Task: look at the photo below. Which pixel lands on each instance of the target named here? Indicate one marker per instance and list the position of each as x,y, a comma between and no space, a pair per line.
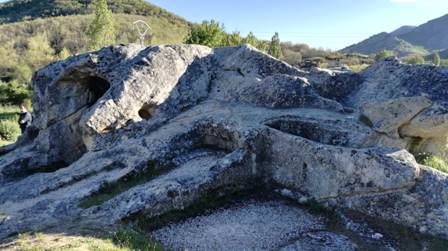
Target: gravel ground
249,226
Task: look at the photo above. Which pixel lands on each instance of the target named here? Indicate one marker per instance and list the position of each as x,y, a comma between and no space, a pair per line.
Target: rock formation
177,123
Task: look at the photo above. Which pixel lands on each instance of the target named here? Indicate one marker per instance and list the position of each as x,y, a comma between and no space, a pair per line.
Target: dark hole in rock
147,111
312,130
97,88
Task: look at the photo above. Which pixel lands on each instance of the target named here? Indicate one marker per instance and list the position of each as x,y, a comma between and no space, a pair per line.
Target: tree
383,54
416,60
39,52
263,45
275,49
208,33
101,31
251,39
233,39
436,59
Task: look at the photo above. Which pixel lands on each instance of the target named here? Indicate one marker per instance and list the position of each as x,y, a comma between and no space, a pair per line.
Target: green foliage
263,45
383,54
9,128
39,51
358,68
135,240
59,37
433,161
233,39
13,93
101,31
275,49
64,54
415,60
9,131
21,10
251,39
436,59
208,33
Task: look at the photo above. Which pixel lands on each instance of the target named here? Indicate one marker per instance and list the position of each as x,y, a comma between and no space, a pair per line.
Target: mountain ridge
407,40
23,10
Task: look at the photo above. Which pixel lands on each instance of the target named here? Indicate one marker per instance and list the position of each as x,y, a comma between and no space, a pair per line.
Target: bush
9,130
358,68
383,54
415,60
13,93
208,33
433,161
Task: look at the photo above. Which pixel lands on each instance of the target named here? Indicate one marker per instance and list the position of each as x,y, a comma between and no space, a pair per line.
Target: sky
330,24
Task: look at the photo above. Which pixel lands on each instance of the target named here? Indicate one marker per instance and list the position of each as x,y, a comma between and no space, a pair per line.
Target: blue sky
330,24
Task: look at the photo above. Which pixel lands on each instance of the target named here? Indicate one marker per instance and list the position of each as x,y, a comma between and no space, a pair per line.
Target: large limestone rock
130,132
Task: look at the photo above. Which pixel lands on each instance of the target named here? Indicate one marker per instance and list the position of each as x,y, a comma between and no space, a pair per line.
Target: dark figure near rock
25,117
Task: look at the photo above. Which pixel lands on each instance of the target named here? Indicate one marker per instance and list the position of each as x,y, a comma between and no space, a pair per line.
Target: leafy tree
436,59
263,45
22,74
275,49
416,60
209,33
39,52
383,54
101,31
251,39
233,39
13,93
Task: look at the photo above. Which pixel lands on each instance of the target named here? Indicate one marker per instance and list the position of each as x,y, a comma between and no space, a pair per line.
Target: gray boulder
128,132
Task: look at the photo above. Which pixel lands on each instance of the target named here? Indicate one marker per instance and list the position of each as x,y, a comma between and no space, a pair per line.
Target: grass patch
111,190
433,161
124,239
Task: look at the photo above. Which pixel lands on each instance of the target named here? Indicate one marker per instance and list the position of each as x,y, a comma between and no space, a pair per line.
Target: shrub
9,130
208,33
433,161
415,60
358,68
383,54
13,93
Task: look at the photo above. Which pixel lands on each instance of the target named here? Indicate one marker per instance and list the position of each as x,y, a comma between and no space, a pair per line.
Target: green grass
433,161
9,128
124,239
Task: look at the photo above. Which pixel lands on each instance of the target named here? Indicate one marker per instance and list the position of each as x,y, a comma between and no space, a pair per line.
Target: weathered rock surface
131,131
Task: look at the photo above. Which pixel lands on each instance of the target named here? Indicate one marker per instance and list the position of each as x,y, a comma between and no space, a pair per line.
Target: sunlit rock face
170,125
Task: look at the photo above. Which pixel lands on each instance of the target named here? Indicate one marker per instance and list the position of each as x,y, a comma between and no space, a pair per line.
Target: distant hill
34,33
432,35
21,10
385,41
407,40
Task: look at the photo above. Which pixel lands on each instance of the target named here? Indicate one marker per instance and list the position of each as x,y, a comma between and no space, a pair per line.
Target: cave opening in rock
97,87
147,111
